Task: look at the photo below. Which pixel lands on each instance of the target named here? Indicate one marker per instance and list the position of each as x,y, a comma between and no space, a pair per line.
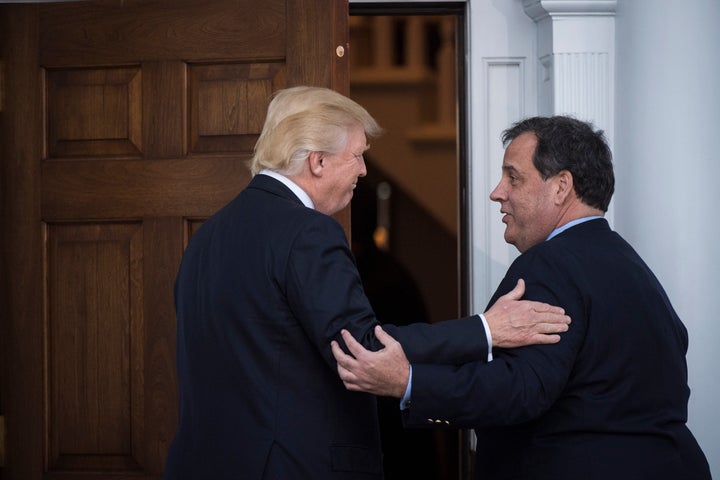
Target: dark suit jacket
607,402
264,286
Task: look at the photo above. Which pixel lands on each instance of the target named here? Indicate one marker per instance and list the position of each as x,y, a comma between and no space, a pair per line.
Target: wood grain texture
127,124
133,189
94,112
21,328
94,344
228,102
173,29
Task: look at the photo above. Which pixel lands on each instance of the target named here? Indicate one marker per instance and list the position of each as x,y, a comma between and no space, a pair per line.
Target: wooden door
124,124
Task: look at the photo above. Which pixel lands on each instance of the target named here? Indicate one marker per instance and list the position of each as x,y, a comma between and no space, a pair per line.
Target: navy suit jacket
607,402
263,287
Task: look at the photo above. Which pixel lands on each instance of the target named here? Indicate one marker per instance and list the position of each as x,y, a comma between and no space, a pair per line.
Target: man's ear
315,160
564,184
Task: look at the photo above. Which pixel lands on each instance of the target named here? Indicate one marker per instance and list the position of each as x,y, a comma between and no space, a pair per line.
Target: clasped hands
513,323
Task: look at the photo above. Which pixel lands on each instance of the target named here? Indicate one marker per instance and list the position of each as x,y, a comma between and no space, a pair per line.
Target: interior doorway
406,68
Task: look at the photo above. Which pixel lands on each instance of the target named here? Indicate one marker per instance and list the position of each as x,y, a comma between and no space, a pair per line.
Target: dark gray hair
565,143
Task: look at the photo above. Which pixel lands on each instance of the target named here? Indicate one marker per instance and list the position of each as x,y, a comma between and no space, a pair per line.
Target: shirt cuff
405,401
488,335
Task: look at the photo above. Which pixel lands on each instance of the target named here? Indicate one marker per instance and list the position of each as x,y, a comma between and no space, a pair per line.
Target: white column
576,60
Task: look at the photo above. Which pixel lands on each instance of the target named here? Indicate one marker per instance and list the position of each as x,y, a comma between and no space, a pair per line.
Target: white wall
667,158
502,88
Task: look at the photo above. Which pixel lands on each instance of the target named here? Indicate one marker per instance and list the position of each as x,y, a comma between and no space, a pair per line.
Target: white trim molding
502,89
539,9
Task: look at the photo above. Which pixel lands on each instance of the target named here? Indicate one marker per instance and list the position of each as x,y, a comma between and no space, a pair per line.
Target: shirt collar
571,223
304,197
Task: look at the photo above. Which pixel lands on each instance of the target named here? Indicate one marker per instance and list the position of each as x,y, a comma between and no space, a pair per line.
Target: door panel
125,124
94,336
120,32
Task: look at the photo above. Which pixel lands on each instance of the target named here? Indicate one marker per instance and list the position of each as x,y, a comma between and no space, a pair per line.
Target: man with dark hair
607,402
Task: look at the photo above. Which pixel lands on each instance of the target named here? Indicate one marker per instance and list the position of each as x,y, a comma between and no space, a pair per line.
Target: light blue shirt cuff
405,401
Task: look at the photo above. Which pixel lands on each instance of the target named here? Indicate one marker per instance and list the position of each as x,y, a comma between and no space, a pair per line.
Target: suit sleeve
520,384
326,295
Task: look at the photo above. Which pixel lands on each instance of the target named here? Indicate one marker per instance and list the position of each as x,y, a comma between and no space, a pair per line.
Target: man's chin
510,240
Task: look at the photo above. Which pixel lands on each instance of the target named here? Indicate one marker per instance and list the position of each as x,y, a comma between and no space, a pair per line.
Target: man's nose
497,195
363,168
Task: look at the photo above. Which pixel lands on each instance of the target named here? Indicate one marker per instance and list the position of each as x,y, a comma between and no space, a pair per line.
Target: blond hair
303,119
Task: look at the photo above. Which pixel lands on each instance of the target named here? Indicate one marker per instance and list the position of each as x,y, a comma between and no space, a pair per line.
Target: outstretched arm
515,323
511,322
